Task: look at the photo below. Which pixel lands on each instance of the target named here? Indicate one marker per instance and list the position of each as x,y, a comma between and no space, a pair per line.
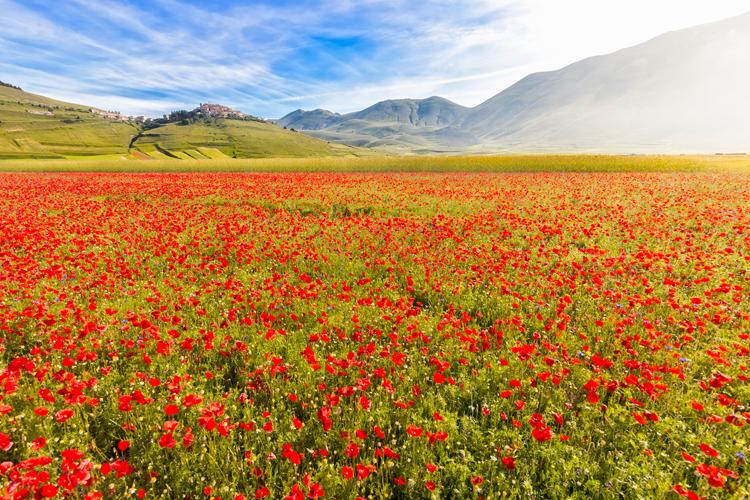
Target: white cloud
472,64
465,50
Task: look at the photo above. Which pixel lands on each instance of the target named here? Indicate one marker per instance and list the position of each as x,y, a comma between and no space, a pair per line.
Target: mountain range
682,92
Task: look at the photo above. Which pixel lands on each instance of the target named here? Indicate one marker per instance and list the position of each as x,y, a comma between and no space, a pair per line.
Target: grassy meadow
377,163
387,335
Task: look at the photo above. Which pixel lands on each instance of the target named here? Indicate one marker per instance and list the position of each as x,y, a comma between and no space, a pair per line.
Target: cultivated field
232,138
373,162
33,126
578,330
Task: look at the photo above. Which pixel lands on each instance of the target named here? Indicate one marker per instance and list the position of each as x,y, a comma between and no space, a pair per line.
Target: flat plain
527,326
374,162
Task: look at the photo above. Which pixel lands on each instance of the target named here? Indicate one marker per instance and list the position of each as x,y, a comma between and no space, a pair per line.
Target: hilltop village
203,111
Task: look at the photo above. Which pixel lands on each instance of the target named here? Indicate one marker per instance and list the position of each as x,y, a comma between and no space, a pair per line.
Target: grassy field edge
521,163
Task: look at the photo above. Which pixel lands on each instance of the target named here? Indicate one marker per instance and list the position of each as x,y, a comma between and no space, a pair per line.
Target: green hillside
33,126
232,138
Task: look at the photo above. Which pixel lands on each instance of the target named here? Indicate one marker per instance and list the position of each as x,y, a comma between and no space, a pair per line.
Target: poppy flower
352,450
347,472
708,450
38,443
167,441
542,434
171,410
48,491
316,491
63,415
5,442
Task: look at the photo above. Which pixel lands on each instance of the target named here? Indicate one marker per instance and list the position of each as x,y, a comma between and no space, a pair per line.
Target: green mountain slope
232,138
33,126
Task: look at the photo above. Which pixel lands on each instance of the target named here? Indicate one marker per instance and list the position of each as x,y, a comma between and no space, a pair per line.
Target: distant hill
411,124
309,120
685,91
33,126
682,92
430,112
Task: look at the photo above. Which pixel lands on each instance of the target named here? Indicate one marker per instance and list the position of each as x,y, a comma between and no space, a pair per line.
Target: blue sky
271,57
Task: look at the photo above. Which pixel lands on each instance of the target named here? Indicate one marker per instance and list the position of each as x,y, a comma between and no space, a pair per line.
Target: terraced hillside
33,126
231,138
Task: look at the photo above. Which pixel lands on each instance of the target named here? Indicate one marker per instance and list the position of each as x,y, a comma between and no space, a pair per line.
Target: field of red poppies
433,335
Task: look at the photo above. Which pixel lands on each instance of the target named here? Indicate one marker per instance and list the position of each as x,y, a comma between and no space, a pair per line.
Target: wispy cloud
270,56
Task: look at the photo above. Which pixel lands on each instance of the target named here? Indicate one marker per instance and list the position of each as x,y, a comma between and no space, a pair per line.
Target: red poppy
347,472
49,491
167,441
708,450
64,415
352,450
316,491
5,442
542,434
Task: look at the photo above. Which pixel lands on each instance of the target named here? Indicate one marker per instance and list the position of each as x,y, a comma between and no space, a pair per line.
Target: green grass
234,138
35,127
536,163
16,95
212,153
